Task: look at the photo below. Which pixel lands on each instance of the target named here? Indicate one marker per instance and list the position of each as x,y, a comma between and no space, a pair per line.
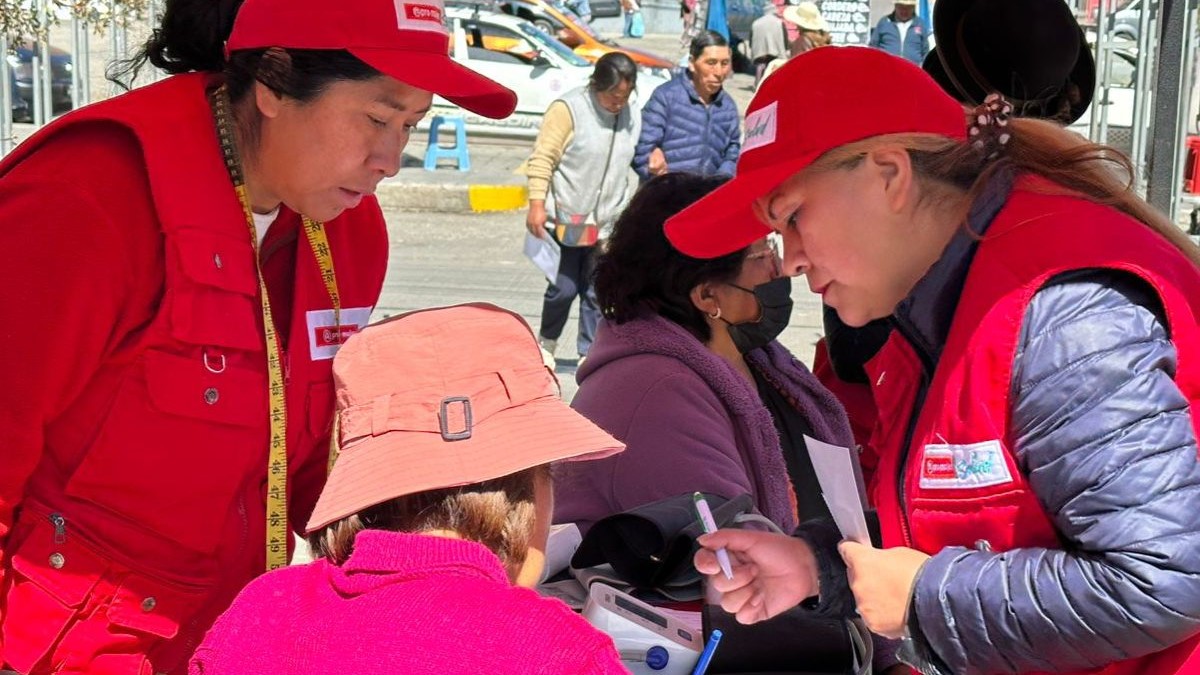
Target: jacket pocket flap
66,570
997,522
184,386
218,260
153,607
219,318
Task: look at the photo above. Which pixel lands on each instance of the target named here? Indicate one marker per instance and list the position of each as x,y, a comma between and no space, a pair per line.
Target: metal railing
91,49
6,103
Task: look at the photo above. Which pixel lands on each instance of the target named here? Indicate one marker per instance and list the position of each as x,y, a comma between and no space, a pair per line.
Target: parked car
1124,16
740,14
20,64
1119,102
575,33
605,9
522,57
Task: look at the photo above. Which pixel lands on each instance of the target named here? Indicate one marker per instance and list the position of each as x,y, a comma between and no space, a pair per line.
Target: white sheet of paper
544,253
560,546
841,486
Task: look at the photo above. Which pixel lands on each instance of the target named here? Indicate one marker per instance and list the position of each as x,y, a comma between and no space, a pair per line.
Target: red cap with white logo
403,39
818,101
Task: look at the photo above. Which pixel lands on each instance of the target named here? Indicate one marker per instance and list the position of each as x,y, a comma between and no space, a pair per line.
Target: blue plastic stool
457,152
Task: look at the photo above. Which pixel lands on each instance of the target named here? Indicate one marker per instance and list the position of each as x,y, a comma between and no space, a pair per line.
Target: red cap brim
724,220
443,76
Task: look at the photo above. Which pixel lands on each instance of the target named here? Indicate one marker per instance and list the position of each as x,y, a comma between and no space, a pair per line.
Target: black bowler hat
937,70
1032,52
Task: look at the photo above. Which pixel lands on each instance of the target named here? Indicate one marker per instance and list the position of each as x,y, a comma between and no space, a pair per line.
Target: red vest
163,509
1034,238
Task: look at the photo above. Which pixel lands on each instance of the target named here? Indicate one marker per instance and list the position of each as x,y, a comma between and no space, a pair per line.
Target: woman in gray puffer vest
578,184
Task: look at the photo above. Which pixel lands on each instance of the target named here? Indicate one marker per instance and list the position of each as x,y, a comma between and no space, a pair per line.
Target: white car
522,57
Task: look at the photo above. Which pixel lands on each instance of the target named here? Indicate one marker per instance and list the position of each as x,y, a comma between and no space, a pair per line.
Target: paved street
444,259
439,259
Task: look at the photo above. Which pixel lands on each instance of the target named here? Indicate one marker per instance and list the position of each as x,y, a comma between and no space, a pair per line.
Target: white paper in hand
544,253
841,486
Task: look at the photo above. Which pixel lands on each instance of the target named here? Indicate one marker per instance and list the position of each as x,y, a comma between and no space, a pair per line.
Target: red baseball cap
817,101
445,397
403,39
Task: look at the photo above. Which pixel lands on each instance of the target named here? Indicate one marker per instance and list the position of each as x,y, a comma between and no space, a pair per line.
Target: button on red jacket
132,493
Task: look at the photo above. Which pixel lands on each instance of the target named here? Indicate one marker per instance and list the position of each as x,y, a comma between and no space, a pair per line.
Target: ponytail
1097,172
191,38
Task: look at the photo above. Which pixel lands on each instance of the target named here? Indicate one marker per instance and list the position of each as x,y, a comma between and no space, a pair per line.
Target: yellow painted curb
497,197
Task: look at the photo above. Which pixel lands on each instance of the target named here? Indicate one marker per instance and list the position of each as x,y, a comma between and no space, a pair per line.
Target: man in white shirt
902,32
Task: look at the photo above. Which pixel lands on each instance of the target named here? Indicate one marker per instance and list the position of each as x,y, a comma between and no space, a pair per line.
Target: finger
743,575
736,541
735,601
851,551
753,611
706,562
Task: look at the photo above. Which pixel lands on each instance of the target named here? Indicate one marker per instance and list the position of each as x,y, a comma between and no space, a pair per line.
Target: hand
882,581
535,220
657,164
771,572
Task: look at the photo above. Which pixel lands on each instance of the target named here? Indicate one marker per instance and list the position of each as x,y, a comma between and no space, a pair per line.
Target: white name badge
957,467
323,336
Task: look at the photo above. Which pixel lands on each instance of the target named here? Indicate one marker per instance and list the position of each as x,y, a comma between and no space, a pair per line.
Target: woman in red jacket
184,262
1037,401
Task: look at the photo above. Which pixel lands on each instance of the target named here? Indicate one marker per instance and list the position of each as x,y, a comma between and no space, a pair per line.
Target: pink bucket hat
445,397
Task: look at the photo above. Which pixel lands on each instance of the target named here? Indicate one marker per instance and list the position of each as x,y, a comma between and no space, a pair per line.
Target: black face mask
775,311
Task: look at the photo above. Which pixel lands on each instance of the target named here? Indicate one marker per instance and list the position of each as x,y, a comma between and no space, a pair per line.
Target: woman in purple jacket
686,372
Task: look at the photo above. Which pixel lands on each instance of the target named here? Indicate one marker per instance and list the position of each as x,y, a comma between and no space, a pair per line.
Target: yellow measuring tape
277,520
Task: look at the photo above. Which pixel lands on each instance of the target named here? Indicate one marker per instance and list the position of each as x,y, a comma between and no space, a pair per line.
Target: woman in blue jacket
691,123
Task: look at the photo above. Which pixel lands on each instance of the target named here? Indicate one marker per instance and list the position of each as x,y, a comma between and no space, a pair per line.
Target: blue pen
707,654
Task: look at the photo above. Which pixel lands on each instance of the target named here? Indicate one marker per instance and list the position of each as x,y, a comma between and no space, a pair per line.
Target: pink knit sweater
402,603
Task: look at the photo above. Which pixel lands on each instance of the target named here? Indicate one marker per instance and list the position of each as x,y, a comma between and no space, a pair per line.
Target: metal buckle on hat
443,416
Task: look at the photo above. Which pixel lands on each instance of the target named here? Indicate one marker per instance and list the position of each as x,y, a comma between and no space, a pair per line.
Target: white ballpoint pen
710,526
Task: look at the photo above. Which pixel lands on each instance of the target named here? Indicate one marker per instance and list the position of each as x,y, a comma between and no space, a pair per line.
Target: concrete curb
450,197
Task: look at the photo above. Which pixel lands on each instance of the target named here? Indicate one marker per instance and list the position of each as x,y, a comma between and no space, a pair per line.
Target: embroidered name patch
423,15
323,338
955,467
760,127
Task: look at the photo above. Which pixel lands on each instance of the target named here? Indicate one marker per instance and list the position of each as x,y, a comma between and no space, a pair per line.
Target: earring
716,314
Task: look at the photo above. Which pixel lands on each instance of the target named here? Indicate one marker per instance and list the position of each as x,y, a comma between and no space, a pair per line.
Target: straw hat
806,15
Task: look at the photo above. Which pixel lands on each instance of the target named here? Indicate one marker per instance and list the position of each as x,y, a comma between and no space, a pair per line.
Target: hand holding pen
710,526
771,573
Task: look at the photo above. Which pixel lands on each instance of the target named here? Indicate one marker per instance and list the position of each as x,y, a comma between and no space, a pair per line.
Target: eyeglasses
769,253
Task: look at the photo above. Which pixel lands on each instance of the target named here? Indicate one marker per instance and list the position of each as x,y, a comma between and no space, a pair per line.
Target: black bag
795,642
650,547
